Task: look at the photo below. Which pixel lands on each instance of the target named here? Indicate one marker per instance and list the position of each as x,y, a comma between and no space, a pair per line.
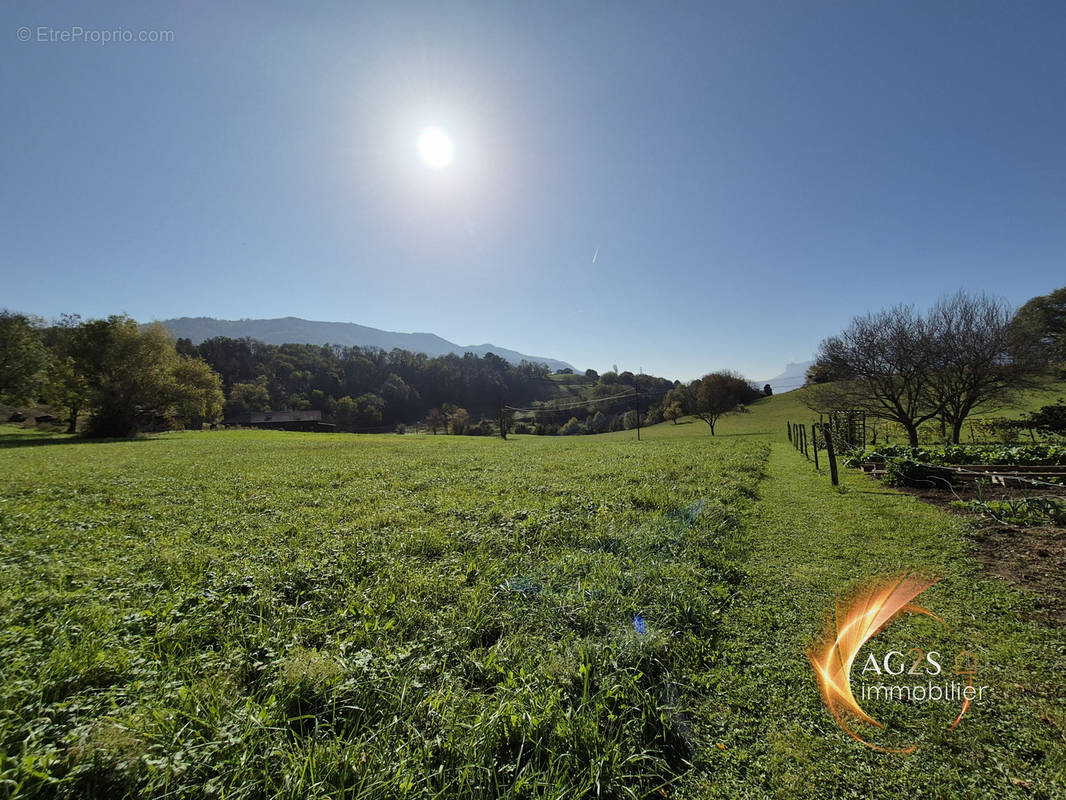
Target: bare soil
1033,558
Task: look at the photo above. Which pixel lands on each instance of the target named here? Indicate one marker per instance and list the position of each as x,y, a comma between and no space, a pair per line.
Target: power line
572,404
579,403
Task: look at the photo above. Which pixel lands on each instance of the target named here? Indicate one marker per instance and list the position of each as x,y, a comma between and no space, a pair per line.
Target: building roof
260,417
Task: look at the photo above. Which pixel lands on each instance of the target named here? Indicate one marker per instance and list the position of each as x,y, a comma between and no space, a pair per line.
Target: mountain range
293,330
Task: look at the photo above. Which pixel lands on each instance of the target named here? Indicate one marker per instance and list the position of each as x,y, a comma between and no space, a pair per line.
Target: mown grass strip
805,543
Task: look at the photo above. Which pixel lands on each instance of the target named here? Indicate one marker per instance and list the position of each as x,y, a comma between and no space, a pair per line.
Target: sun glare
435,147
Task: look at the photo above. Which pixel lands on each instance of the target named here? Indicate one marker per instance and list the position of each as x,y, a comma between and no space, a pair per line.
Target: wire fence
809,439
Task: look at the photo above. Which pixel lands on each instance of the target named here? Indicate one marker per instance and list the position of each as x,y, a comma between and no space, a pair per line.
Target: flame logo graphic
858,619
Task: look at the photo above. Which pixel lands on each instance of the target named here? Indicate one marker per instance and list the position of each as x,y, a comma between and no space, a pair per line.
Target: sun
436,148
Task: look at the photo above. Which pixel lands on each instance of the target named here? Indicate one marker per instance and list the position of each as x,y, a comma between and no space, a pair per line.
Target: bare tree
890,357
908,368
974,368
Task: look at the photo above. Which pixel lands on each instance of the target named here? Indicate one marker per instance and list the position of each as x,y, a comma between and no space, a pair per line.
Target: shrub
598,423
572,427
902,472
482,428
1050,420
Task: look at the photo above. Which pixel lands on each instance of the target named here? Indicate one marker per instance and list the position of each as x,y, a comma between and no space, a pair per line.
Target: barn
282,421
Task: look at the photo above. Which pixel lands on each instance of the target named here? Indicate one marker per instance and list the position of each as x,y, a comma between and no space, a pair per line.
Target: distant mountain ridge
293,330
792,378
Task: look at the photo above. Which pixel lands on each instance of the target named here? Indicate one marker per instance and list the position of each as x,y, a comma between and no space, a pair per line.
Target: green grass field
271,614
255,614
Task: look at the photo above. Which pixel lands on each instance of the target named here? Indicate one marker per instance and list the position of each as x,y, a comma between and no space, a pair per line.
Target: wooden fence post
788,430
814,437
834,478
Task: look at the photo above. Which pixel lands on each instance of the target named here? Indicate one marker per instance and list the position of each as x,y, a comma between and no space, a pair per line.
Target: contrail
595,254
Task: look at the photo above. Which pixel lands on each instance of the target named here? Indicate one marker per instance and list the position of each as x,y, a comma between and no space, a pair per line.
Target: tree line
120,377
364,388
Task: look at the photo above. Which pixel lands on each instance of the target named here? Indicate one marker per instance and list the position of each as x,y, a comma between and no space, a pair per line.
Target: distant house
282,421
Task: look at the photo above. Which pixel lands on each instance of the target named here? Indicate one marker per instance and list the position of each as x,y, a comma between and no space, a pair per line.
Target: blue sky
747,175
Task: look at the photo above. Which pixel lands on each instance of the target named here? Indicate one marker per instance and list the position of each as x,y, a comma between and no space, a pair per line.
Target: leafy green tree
198,394
67,388
247,397
573,427
23,359
360,413
129,371
682,396
1038,330
369,410
673,412
399,397
721,393
599,423
346,414
297,401
67,385
460,421
134,373
1050,420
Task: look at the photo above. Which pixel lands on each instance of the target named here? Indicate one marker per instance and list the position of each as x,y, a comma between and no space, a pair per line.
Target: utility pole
636,397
